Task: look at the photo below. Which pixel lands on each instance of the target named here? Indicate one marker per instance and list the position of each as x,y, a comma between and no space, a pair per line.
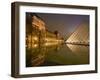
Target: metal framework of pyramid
80,35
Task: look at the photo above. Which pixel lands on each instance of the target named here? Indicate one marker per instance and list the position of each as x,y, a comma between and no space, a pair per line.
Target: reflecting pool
56,54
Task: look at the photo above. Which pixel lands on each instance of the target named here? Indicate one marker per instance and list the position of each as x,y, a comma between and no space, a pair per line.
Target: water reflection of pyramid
81,35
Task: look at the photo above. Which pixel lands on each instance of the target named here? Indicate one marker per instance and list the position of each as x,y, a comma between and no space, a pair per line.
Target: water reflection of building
78,48
38,55
81,52
35,57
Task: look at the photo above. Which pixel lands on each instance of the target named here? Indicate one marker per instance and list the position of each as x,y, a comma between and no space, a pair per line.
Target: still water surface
52,55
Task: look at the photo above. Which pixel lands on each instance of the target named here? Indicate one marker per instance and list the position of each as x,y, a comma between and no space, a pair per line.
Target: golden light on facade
35,38
53,40
50,44
38,23
34,45
50,39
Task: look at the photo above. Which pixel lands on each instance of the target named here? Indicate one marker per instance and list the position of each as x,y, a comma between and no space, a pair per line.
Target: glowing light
49,44
35,38
34,45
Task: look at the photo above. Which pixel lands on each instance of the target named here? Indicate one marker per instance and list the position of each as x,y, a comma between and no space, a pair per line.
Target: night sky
65,24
